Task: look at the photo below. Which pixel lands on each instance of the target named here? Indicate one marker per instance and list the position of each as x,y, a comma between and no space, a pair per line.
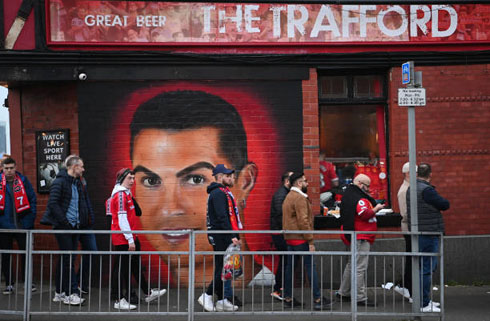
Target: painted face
173,170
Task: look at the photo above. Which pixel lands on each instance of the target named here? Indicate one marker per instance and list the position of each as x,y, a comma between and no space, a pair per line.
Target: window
352,127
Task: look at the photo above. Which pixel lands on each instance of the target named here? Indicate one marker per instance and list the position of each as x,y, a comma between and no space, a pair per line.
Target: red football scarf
232,210
20,196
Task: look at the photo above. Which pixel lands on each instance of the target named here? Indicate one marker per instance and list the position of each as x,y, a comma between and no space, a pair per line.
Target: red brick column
311,138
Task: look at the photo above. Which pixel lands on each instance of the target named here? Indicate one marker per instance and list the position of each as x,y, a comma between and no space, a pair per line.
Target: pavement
461,303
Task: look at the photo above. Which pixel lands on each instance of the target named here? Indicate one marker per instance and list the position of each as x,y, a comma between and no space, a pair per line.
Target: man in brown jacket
297,215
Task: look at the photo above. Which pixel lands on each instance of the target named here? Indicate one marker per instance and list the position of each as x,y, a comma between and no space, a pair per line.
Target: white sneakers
225,306
124,305
73,299
404,292
431,307
154,294
206,301
59,297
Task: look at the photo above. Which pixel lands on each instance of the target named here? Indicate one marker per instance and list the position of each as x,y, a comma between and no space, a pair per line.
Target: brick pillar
311,138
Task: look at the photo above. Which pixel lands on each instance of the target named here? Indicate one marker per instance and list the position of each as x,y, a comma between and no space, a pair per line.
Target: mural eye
195,179
151,181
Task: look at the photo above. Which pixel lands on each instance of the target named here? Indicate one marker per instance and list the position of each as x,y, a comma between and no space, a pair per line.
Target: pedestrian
429,207
298,215
277,238
69,209
358,213
222,215
124,211
17,211
406,288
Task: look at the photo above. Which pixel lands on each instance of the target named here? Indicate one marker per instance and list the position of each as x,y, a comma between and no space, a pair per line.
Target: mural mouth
176,237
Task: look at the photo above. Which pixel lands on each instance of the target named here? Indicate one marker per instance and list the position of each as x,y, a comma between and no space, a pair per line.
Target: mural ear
247,179
246,182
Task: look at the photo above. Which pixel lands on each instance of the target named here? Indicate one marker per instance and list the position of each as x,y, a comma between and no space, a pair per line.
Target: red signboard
77,22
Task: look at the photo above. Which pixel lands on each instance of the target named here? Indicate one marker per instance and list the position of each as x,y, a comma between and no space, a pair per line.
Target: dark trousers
7,243
121,274
66,279
407,277
280,245
216,286
88,262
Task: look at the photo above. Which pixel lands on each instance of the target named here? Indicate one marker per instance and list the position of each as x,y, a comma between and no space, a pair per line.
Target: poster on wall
52,146
172,133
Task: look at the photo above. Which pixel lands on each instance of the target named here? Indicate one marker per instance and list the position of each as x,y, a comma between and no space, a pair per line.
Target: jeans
217,286
362,262
88,260
280,245
309,265
7,242
66,279
430,244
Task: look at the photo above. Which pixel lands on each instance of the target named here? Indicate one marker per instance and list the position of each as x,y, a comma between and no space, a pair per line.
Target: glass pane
368,86
349,131
333,87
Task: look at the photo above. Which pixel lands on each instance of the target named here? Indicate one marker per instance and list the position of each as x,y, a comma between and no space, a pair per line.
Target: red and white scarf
236,224
20,197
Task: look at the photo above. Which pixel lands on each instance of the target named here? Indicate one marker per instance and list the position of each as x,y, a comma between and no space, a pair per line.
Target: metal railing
186,269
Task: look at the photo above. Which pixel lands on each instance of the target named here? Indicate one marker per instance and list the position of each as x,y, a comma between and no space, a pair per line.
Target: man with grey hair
68,208
358,213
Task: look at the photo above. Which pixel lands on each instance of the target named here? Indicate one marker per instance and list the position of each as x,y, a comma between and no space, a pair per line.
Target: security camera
82,76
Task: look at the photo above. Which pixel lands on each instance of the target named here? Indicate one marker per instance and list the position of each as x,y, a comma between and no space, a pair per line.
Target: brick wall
41,107
452,134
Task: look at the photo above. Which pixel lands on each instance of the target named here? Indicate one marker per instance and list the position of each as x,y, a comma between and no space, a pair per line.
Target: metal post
412,158
353,275
190,309
28,276
441,266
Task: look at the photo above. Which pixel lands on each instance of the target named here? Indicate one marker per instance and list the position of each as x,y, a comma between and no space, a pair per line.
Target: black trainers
322,304
8,290
342,297
292,303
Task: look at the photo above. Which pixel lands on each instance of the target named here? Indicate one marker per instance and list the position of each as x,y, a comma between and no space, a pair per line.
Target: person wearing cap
221,215
406,288
124,211
69,208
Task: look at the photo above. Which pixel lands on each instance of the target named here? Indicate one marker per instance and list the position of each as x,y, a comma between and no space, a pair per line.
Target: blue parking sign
406,73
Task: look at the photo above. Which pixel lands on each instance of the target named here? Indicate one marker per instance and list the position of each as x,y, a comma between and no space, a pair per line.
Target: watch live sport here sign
411,97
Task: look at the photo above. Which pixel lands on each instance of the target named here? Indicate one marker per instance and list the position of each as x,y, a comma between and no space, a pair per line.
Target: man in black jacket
276,224
221,215
429,207
68,208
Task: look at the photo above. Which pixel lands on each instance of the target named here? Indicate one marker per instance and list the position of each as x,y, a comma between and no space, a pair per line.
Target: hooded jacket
25,220
59,201
218,213
123,209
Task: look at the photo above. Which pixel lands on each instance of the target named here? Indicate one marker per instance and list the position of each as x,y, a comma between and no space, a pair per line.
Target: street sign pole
413,96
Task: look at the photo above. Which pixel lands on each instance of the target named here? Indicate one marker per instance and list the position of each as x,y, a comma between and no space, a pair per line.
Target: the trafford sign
144,22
